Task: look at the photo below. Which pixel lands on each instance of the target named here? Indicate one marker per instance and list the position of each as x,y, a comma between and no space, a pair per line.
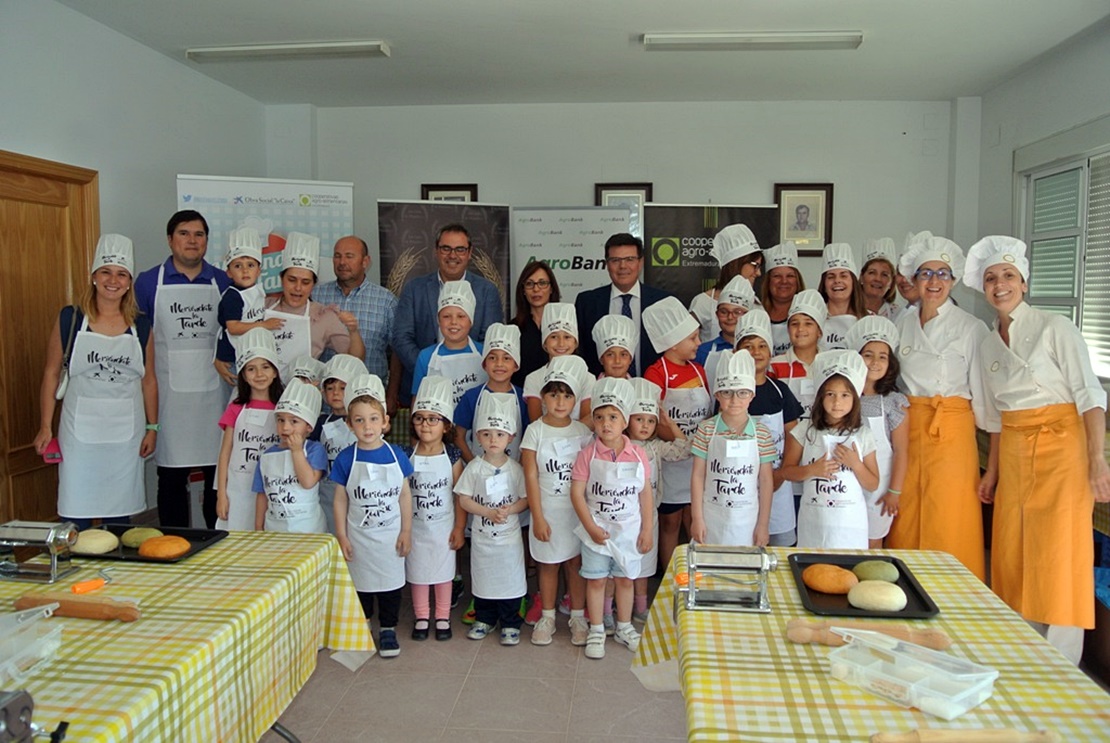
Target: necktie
626,310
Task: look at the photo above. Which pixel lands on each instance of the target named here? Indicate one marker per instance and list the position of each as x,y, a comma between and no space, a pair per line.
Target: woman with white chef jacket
940,344
840,289
1048,425
109,419
308,327
738,254
781,283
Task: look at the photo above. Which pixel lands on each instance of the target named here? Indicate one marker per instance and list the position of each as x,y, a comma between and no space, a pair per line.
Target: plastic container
27,643
910,675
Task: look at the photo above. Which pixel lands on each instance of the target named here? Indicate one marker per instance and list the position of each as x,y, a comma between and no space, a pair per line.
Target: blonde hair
127,306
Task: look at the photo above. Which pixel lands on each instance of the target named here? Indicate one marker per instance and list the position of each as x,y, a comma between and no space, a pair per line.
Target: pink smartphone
53,453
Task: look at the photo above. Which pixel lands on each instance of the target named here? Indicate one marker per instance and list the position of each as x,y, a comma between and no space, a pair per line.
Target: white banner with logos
275,207
571,240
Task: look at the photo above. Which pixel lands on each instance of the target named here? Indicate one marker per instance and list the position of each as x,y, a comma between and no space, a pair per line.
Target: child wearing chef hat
457,357
735,300
738,255
559,327
833,455
331,428
287,480
615,338
242,304
500,360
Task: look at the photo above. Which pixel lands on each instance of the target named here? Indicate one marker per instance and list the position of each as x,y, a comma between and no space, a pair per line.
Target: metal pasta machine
49,538
724,578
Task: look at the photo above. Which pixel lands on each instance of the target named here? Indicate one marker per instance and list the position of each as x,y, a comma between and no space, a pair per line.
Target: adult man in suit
624,295
416,323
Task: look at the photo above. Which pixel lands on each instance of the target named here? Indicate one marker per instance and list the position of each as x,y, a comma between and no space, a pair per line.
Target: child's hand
597,534
404,543
222,505
502,514
345,545
848,456
889,504
296,441
457,539
761,536
643,542
697,530
541,530
823,467
272,323
348,319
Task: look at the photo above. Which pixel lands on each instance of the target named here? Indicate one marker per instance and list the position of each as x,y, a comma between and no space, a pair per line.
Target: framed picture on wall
631,195
805,215
449,191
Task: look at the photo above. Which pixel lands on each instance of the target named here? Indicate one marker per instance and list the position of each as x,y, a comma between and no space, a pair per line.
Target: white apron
513,449
335,436
497,550
293,340
463,369
290,508
254,307
190,400
782,505
687,408
833,514
780,336
554,462
255,431
878,525
649,562
102,427
730,505
613,497
374,524
836,330
431,559
713,359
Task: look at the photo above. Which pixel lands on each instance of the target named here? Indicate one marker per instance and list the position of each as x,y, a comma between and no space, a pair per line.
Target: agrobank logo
665,252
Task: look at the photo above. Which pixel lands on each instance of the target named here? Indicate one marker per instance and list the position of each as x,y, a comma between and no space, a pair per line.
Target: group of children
592,479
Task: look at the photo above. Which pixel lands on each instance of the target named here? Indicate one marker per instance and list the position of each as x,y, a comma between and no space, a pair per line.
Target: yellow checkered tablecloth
226,640
743,681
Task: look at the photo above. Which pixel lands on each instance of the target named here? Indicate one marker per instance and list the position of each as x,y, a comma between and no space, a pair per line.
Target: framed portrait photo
449,191
805,215
631,195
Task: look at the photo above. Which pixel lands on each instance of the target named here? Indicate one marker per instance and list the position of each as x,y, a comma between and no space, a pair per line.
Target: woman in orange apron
939,507
1048,416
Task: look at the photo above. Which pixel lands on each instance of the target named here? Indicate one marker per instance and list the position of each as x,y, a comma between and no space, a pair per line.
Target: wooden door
49,224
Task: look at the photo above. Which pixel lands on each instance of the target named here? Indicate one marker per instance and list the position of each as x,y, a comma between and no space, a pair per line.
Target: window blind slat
1096,290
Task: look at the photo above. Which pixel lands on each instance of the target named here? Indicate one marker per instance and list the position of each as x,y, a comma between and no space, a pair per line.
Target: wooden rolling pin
968,736
803,631
81,607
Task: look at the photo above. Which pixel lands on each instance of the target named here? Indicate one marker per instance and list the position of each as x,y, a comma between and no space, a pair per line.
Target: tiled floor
480,691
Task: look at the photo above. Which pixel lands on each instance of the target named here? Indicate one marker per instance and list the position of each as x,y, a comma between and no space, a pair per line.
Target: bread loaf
95,542
877,595
829,578
164,548
136,535
874,570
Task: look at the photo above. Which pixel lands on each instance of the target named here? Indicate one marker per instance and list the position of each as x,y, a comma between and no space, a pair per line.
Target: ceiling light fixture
752,41
297,50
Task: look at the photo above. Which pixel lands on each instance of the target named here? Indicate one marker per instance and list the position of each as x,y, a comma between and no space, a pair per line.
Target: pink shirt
631,453
227,420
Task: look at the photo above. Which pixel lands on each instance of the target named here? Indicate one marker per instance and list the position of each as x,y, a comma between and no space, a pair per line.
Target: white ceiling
532,51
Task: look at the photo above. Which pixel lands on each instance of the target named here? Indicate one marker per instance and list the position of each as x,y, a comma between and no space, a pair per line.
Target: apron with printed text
497,550
835,330
687,408
254,308
712,360
613,497
833,514
335,436
554,461
431,559
292,340
463,369
289,507
730,504
374,524
255,431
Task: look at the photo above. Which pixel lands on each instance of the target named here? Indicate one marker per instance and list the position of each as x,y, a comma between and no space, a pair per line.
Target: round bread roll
829,578
866,570
95,542
164,548
137,535
877,595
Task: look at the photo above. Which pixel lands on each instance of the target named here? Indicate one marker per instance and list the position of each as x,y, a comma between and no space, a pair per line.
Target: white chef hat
309,368
343,367
756,322
559,317
616,392
646,399
848,364
244,243
880,248
364,385
738,291
570,370
114,250
502,337
495,412
435,395
780,256
735,371
457,294
667,322
256,343
932,249
301,251
809,302
839,255
734,241
990,251
614,331
915,237
301,400
872,328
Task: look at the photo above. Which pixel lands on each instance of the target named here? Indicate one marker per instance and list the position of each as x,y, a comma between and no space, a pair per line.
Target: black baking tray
199,539
919,605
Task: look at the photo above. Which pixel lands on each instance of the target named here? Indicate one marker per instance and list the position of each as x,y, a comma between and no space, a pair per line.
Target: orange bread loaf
829,578
164,548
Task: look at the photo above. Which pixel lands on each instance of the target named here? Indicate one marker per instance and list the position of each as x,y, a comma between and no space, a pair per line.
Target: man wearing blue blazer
625,295
416,324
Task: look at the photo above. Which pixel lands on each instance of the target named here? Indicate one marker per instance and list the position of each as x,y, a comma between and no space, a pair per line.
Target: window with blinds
1095,263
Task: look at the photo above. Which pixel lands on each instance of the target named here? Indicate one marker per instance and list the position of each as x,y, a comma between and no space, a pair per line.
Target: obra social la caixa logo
665,252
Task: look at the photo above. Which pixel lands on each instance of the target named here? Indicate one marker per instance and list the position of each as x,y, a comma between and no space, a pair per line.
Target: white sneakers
579,629
595,645
543,630
628,637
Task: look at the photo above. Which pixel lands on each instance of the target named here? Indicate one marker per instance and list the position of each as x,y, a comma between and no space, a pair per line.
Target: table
743,681
226,640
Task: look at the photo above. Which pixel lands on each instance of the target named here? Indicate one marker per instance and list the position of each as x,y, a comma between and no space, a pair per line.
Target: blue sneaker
479,631
388,646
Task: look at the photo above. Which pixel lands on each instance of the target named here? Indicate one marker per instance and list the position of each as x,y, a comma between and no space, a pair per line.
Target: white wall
889,161
74,91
